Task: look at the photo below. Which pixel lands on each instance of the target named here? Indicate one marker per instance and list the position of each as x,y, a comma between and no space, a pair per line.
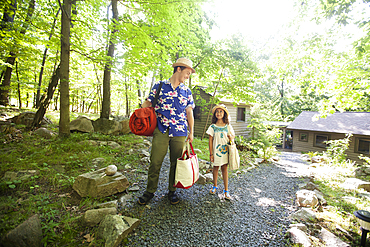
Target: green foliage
337,148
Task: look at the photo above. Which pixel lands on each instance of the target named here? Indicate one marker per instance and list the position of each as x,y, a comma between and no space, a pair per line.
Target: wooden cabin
203,103
310,132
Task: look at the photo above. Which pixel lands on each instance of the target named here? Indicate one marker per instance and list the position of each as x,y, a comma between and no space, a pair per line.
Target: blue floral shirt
171,108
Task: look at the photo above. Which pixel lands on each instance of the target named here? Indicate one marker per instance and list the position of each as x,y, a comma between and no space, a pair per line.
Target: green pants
160,144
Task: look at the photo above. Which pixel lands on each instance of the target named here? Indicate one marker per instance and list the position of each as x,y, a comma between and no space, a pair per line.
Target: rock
297,236
27,234
98,161
209,177
111,204
359,172
355,183
203,164
125,128
128,166
114,228
144,153
300,226
197,151
81,124
95,216
97,184
310,186
106,126
43,132
258,160
114,145
202,179
123,199
317,159
331,240
111,170
306,198
145,159
147,143
304,214
134,188
321,198
26,118
19,175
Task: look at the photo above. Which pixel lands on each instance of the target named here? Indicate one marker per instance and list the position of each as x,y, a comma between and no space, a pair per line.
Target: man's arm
190,118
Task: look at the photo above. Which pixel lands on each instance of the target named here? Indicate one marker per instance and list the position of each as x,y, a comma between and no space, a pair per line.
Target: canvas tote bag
187,168
234,159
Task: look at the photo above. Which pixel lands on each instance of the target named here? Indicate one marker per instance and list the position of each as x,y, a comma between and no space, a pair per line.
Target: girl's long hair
225,118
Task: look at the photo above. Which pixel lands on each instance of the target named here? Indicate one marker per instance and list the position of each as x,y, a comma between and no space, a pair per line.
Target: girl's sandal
227,195
213,190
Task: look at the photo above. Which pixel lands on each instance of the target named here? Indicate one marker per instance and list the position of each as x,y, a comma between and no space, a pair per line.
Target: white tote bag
187,168
234,159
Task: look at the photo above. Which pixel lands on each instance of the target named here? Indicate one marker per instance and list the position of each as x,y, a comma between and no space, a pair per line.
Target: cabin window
320,140
241,114
196,112
362,145
303,136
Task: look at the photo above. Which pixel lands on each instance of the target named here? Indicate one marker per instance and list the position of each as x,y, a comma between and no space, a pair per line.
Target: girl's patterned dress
220,140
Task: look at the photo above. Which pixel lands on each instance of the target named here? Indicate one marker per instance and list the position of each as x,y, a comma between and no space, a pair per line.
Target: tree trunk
64,70
105,112
44,104
5,85
43,62
19,86
127,103
139,94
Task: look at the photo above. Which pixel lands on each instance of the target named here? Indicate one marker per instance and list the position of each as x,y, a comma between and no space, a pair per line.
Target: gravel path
257,215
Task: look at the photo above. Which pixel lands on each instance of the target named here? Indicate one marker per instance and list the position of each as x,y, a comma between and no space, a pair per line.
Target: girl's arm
211,154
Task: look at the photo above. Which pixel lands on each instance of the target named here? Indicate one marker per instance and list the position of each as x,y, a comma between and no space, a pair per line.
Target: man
174,114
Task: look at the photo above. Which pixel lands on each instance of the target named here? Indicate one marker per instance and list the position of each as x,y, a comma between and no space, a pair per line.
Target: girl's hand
212,158
231,137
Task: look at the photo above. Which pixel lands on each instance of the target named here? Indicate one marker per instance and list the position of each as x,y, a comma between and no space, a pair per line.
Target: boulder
81,124
331,240
19,175
297,236
26,118
114,228
209,177
125,128
43,132
306,198
95,216
304,214
27,234
98,184
355,183
106,126
110,204
202,179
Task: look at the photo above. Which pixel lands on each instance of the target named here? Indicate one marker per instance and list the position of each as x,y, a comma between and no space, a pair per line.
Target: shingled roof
345,122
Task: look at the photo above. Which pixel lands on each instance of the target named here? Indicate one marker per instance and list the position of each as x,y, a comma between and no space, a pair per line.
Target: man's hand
190,137
146,103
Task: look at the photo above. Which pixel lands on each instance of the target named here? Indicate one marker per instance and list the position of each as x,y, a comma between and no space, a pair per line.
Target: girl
220,133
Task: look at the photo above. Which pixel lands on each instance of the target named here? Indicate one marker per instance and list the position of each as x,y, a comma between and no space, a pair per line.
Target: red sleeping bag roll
143,121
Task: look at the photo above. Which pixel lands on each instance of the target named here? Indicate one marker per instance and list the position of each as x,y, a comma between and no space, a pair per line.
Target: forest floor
58,162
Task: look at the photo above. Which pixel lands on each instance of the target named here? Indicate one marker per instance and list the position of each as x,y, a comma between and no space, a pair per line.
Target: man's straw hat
221,106
184,62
